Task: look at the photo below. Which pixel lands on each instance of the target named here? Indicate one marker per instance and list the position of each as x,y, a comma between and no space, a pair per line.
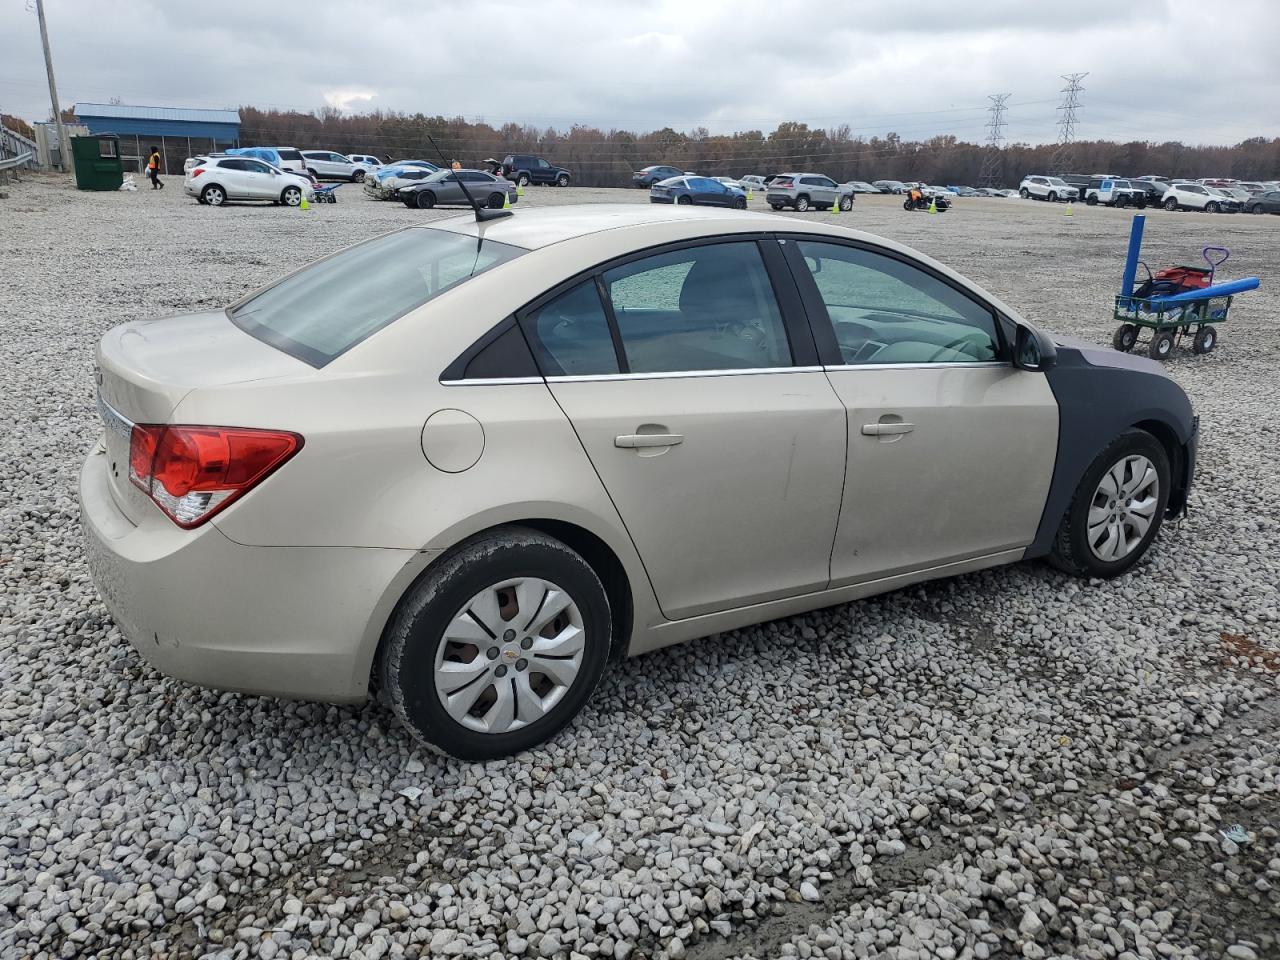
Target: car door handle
886,429
632,441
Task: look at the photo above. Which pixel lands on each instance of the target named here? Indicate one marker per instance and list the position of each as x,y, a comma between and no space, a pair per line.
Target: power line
995,139
1067,125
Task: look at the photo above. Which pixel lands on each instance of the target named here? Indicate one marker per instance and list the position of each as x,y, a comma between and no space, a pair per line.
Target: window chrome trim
490,381
682,374
967,365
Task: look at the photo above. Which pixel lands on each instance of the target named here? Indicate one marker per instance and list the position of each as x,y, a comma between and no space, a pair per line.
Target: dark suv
525,168
648,176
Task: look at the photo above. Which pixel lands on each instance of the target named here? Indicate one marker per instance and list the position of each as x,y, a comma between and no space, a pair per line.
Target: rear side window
709,307
327,308
570,335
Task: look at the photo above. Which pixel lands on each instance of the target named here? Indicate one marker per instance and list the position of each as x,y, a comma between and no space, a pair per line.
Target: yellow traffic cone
506,200
1068,212
306,205
519,190
749,196
933,206
835,205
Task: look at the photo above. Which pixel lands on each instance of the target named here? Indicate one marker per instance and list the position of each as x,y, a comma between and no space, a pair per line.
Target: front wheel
1211,207
358,177
1161,345
291,196
740,203
426,200
562,180
1206,339
1092,201
497,649
1256,209
1125,337
846,204
1117,508
1053,196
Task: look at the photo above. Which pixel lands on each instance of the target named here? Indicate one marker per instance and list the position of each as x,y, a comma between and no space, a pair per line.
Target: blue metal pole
1135,251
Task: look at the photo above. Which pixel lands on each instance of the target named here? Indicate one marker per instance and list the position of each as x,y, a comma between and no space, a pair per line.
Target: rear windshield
290,154
325,309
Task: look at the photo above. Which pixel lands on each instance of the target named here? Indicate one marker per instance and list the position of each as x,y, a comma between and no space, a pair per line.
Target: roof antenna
482,213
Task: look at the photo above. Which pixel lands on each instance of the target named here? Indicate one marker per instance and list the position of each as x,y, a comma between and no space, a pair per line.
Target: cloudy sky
1158,69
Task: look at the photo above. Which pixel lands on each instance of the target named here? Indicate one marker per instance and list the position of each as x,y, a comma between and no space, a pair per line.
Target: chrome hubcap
510,655
1123,508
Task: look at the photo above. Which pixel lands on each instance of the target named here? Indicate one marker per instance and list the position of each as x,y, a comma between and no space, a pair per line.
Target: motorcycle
922,203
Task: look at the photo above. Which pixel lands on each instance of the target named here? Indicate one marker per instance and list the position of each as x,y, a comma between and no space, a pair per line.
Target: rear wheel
1171,204
684,200
498,647
846,204
776,206
213,195
802,204
495,201
1125,337
1161,345
1117,508
1206,339
522,180
426,200
1024,193
291,196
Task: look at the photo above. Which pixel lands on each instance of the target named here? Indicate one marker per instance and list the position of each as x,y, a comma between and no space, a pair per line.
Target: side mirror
1032,350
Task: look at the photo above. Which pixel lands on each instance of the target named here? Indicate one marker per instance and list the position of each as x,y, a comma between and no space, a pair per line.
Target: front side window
542,164
708,307
327,308
885,310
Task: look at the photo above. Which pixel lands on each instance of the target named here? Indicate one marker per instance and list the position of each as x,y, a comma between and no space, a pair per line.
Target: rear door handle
886,429
632,441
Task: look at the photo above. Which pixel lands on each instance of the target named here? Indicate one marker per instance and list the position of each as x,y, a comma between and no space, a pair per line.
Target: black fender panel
1101,393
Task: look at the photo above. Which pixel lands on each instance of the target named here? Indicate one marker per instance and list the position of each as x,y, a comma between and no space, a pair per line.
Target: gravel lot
1011,763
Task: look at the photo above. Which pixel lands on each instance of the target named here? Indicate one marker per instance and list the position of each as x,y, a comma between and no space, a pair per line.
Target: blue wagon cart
1173,303
327,194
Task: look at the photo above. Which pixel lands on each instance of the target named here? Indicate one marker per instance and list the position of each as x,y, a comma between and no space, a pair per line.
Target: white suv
327,165
1195,196
1052,189
216,179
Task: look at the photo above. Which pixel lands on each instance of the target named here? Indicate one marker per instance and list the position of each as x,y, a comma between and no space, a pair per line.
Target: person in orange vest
153,169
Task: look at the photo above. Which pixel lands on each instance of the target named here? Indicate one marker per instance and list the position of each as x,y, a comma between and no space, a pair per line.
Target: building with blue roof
179,132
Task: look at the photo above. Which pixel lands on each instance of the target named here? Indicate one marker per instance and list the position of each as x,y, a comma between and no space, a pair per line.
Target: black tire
1053,196
426,199
1070,552
846,204
1206,339
1125,337
1092,201
410,200
1024,193
562,180
313,173
358,177
494,201
802,204
776,206
684,201
407,657
291,196
1141,203
522,180
1211,207
213,195
1161,345
740,203
1171,204
1256,208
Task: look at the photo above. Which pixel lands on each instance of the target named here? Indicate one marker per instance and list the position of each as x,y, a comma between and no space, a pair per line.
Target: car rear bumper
779,198
278,621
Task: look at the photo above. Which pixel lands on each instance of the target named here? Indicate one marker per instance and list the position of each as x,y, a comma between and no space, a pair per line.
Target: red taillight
196,172
193,472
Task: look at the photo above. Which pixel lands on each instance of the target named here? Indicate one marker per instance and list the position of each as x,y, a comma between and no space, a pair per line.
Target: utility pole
995,140
1067,132
63,146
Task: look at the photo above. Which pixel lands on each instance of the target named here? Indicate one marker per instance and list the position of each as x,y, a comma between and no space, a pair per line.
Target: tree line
607,158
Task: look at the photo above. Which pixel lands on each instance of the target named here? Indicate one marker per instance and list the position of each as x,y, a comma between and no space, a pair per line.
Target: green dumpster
97,161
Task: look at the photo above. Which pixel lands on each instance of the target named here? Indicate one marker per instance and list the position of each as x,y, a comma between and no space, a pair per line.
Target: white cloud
344,99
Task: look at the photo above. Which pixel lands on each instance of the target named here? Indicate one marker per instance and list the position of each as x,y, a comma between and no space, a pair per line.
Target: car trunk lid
145,368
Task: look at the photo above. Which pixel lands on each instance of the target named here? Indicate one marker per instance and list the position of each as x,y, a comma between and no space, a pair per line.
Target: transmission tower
1067,125
995,139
